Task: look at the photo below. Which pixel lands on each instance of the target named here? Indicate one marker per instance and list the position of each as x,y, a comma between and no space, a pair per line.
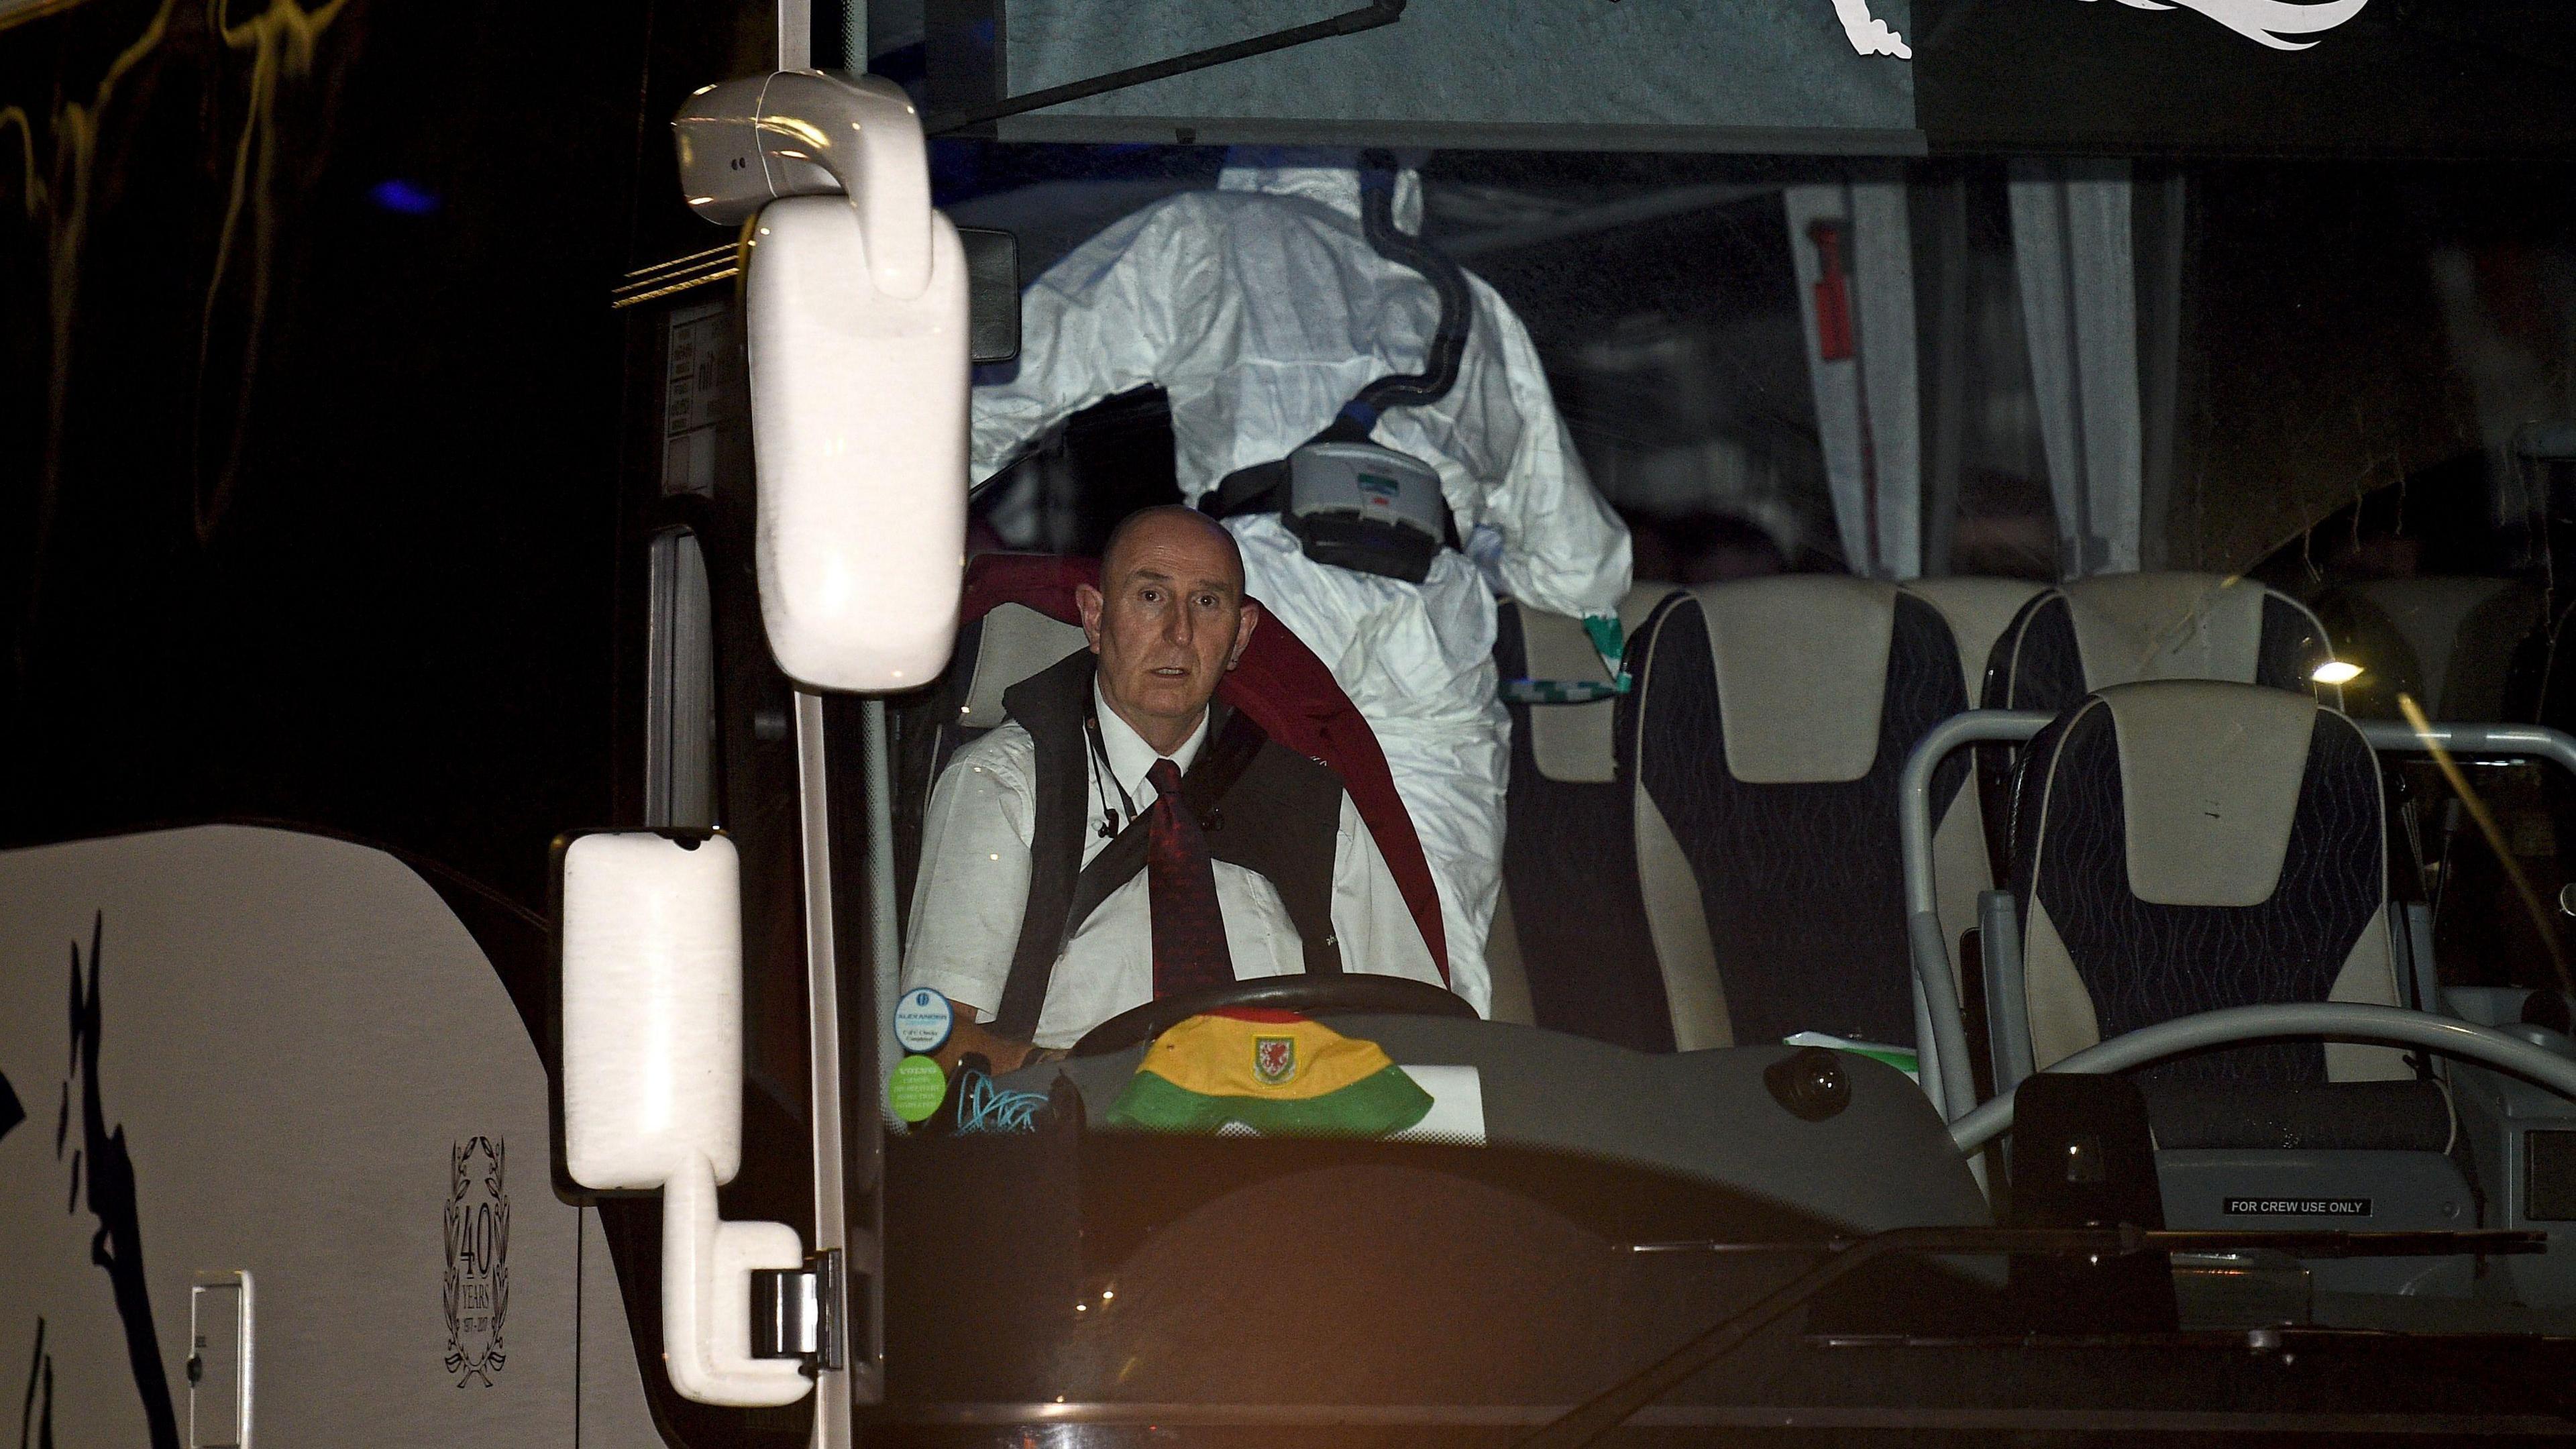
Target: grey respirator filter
1360,506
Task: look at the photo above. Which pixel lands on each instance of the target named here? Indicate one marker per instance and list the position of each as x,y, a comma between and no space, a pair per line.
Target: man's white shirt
974,884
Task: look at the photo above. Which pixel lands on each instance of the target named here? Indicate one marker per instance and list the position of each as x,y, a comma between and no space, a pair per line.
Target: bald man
1058,888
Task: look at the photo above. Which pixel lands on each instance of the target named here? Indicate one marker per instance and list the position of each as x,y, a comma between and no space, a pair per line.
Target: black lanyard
1109,824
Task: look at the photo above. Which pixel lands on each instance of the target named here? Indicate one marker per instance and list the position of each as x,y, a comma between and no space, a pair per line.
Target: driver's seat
994,652
2182,846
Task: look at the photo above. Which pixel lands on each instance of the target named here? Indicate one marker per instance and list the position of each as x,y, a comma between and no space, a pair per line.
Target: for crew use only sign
2298,1207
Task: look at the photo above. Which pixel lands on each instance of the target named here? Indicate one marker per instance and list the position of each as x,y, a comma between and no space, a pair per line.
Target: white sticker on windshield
921,1019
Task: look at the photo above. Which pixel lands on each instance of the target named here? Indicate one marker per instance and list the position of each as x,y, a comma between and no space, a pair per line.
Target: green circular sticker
916,1088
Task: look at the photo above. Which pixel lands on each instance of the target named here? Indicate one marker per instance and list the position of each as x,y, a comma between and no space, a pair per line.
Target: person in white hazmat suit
1262,309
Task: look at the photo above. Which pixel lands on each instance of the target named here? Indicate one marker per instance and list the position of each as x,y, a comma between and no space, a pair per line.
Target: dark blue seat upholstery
1770,724
1572,917
2252,871
2119,628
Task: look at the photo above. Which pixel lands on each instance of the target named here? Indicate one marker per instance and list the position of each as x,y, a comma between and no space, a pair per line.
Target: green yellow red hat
1273,1071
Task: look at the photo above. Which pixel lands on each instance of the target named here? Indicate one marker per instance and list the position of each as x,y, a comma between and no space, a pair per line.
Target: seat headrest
1017,642
2166,626
1978,610
1801,674
2210,776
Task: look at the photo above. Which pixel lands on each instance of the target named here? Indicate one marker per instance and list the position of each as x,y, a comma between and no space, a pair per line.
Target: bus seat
1771,720
2447,642
1571,918
2116,628
1978,611
2186,845
2183,846
1008,644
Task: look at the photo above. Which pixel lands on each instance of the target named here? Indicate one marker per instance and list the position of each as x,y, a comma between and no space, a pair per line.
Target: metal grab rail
2334,1020
2555,746
1953,1090
1948,1075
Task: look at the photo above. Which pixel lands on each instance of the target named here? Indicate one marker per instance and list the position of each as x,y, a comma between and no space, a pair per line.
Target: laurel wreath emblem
476,1285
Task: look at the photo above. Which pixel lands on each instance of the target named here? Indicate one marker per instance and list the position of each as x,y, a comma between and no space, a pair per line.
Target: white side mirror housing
858,419
652,1087
860,339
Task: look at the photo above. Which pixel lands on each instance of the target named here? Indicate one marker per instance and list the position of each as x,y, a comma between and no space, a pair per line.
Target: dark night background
317,518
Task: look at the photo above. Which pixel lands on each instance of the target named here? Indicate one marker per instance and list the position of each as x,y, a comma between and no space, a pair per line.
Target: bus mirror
652,1085
992,294
855,293
858,435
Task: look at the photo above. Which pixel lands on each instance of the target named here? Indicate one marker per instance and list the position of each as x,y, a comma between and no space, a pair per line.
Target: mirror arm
746,143
707,1265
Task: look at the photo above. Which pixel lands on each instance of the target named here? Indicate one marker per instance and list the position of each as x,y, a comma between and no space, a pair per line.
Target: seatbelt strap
1227,755
1562,691
1235,742
1051,705
1247,490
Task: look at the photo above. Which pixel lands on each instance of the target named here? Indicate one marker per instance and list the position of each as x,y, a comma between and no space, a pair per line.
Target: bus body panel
284,1055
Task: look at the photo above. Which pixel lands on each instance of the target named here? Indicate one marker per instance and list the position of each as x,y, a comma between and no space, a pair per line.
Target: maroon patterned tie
1189,930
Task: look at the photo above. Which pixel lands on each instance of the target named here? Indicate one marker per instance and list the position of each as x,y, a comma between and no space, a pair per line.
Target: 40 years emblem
478,1260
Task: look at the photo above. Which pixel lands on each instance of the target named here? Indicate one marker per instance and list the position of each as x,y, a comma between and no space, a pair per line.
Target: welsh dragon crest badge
478,1260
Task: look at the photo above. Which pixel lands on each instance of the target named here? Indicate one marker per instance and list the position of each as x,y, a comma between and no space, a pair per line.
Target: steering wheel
1316,995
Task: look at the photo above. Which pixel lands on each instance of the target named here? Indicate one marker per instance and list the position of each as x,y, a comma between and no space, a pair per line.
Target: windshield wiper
1612,1407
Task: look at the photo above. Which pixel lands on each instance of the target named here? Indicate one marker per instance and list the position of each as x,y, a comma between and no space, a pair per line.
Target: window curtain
2072,254
1855,267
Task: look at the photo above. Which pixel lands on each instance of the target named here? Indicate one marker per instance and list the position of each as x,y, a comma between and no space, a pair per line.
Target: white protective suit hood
1261,309
1327,177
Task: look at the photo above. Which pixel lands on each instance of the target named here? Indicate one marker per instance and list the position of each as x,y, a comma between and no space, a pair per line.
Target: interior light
2336,671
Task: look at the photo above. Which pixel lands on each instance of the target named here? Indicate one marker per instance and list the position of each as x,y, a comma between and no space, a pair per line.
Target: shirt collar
1129,756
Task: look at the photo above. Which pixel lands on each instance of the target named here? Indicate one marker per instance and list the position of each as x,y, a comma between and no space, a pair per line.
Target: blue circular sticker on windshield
921,1019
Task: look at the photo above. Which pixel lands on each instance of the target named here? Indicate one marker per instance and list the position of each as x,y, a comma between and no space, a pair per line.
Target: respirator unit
1351,501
